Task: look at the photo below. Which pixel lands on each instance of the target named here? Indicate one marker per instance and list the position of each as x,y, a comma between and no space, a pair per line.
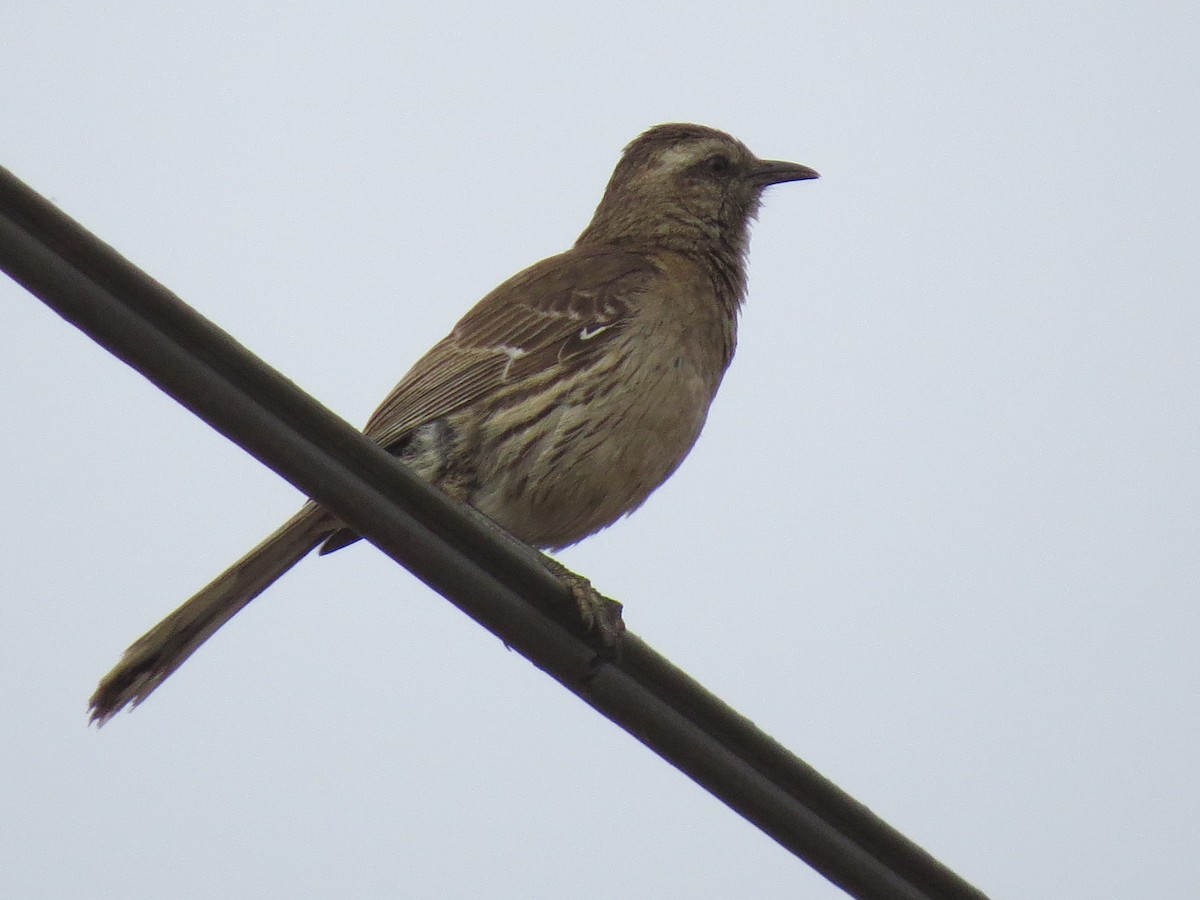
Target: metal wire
493,578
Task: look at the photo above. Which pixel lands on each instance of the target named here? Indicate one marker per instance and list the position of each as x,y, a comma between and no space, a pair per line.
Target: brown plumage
565,397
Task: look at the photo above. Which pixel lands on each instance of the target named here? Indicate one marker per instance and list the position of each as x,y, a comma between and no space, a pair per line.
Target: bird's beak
774,171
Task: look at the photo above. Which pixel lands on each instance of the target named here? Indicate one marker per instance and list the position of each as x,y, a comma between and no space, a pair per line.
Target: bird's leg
600,615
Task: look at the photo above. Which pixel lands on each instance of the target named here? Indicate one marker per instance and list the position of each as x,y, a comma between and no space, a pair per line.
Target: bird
561,400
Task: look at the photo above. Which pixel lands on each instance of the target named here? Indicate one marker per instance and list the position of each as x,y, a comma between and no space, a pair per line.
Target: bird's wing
551,319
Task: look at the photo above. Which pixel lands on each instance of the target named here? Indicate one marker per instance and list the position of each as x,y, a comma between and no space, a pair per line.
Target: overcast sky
940,536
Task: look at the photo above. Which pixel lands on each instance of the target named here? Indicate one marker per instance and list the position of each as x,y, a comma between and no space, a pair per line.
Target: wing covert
558,314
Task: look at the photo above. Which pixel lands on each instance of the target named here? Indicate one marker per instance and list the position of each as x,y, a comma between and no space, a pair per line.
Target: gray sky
939,537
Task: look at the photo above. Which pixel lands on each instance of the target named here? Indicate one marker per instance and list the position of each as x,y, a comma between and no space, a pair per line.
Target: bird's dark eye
718,164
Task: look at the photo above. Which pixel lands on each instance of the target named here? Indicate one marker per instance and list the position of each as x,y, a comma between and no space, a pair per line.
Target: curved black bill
774,171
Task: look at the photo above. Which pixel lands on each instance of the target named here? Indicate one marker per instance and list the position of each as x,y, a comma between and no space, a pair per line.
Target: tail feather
165,647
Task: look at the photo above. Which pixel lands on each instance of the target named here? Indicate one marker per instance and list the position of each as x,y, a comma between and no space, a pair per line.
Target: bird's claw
599,616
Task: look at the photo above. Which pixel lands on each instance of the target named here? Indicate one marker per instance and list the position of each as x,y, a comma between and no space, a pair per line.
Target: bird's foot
599,615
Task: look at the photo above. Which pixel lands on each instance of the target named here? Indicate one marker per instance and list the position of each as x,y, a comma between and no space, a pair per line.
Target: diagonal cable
493,578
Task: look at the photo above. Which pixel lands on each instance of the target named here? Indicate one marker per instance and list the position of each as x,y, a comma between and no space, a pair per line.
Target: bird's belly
597,460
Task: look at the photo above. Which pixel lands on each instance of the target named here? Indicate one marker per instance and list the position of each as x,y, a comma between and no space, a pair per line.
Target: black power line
493,578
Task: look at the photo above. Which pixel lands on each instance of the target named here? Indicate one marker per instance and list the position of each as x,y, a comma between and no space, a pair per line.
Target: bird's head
680,183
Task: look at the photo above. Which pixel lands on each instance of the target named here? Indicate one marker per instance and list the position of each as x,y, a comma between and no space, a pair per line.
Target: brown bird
565,397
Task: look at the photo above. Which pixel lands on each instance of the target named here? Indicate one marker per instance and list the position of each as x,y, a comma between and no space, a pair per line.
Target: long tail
164,648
